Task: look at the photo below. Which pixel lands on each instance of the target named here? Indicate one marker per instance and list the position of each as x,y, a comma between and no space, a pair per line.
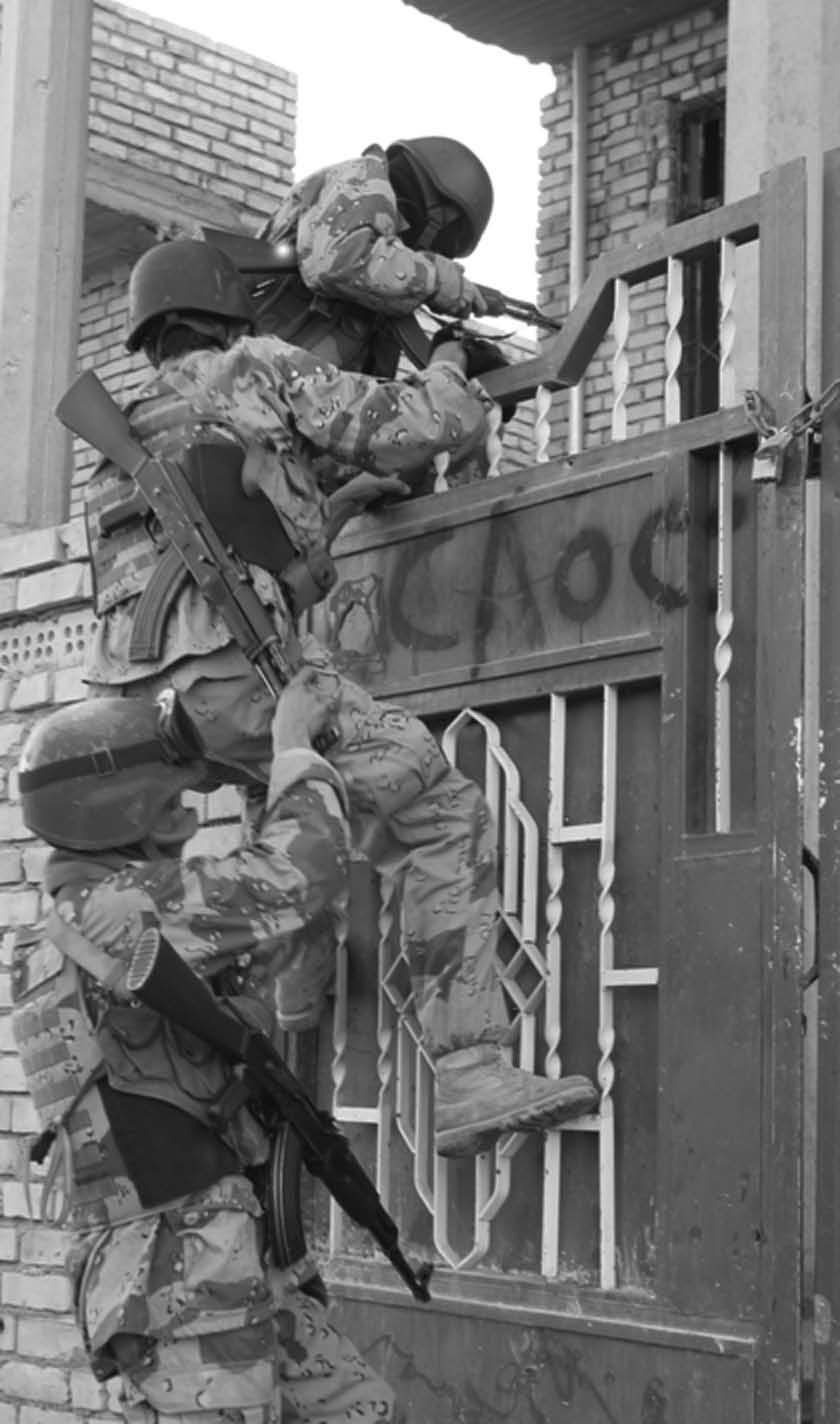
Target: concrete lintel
128,208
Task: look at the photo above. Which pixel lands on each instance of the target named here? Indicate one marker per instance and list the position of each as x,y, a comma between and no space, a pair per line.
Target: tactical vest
130,555
344,333
97,1068
123,560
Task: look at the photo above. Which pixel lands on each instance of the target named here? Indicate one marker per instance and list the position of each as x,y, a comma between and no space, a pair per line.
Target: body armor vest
123,560
130,555
87,1058
348,335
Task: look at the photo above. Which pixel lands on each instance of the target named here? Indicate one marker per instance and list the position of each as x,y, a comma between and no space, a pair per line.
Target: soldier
277,406
375,238
176,1291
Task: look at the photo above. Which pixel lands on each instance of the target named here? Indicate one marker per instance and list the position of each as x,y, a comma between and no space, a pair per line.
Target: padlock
769,457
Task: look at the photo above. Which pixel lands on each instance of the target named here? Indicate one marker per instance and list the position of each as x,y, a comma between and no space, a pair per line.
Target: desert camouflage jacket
244,912
346,227
284,407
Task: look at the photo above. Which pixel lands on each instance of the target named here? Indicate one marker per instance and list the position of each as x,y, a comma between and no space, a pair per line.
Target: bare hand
306,709
365,489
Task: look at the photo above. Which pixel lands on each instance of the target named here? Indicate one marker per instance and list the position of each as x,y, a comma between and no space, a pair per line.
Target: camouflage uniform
174,1290
408,805
354,273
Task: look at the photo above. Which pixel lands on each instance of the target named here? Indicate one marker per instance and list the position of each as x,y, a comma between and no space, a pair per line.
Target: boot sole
479,1136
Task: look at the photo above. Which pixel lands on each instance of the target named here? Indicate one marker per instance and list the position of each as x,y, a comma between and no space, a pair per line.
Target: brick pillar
781,103
44,65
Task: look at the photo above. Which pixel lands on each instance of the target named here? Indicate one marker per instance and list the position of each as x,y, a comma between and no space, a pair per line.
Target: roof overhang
548,30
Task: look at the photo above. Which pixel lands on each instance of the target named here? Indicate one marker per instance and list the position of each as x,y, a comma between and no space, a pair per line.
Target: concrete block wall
164,100
635,94
45,625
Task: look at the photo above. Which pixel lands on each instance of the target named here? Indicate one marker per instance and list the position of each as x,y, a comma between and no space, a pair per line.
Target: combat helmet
184,275
96,775
440,183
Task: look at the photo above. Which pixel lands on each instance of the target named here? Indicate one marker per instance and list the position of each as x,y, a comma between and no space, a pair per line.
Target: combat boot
479,1096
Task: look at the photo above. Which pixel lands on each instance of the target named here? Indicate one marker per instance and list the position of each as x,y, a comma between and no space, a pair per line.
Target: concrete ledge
34,549
68,583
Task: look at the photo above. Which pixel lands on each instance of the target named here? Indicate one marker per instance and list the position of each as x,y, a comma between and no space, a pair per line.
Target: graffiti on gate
543,1374
506,583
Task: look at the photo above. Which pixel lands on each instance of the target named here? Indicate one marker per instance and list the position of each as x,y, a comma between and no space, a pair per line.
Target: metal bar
606,1027
724,624
673,341
631,978
577,219
553,1152
620,364
727,384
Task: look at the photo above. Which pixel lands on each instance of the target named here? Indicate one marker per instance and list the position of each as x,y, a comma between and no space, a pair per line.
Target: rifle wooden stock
159,978
88,410
253,256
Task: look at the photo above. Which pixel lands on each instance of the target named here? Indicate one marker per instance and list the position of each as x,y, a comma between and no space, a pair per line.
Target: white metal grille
532,977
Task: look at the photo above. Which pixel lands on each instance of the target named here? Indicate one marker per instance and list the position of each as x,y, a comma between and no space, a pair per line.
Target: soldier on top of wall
218,388
375,238
156,1159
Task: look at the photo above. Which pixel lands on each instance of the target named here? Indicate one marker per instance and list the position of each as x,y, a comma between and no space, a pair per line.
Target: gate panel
613,652
827,1297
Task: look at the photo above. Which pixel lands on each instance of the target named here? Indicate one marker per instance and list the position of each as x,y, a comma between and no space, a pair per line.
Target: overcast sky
370,71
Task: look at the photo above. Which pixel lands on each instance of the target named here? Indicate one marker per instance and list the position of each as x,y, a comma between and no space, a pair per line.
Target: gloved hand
455,294
480,355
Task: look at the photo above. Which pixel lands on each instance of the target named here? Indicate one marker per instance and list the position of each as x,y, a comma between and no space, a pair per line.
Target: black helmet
184,276
424,171
96,775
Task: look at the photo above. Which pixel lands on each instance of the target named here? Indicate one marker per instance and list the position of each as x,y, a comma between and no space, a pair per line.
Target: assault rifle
88,410
257,258
159,978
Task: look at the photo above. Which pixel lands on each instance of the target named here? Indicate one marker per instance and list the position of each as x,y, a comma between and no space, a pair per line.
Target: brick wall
162,99
635,93
203,114
45,625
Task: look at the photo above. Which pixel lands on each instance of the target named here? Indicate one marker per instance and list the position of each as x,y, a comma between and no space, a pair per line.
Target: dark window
700,138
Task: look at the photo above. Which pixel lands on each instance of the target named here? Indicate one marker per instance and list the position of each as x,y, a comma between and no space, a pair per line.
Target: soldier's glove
482,356
455,294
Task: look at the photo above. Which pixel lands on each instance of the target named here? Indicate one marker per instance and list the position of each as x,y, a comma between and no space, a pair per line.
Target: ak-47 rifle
257,258
88,410
159,978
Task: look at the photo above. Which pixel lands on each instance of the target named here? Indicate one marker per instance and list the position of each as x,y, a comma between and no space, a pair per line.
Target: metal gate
612,645
826,1315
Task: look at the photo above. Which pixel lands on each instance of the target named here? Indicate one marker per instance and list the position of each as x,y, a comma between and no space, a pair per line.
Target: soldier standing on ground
157,1154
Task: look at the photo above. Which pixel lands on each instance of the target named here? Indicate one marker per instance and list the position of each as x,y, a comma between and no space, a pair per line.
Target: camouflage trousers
414,816
183,1308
